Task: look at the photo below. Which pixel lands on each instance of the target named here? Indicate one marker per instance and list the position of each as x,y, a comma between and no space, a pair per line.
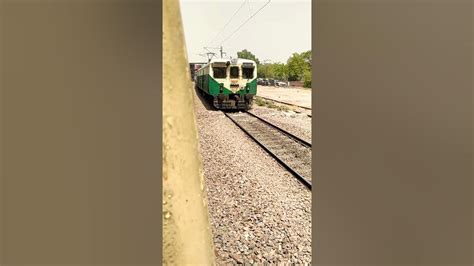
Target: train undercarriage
233,101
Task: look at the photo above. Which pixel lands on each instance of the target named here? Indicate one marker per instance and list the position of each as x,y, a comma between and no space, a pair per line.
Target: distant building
195,66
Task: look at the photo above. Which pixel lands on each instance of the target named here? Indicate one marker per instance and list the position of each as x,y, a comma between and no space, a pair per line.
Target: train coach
231,83
193,67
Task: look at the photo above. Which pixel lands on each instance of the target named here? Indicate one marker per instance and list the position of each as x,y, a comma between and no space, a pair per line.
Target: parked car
282,84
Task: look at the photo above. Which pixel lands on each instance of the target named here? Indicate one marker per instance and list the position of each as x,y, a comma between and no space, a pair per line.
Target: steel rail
270,99
287,167
280,129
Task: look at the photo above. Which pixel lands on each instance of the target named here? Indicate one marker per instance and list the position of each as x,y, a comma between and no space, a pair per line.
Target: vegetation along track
290,151
291,104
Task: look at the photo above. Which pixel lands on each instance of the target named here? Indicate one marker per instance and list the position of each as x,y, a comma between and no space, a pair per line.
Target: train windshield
247,72
234,72
219,72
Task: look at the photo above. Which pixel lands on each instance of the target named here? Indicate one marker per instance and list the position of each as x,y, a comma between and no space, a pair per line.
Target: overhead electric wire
243,3
205,48
245,22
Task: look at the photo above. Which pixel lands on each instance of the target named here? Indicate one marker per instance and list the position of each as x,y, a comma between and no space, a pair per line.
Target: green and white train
232,83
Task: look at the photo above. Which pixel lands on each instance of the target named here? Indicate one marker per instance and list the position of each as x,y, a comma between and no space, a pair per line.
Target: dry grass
271,104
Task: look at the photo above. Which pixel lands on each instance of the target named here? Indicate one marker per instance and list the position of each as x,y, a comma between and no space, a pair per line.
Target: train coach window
234,72
247,72
219,72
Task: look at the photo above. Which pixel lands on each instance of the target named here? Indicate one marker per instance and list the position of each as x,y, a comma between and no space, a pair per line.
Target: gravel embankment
298,124
259,212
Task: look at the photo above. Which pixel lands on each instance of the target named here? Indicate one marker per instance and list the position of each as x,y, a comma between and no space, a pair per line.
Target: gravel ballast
259,212
299,124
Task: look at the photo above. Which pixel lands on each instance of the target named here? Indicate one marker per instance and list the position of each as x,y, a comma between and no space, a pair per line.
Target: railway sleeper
269,141
302,169
275,147
280,145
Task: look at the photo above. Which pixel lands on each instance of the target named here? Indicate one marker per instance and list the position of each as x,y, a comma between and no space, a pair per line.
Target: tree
307,79
262,71
248,55
307,57
265,71
280,71
298,65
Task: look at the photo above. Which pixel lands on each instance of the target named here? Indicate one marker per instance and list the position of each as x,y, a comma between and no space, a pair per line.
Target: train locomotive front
232,84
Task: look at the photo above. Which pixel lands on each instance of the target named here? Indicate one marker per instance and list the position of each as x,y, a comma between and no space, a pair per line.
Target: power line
243,3
206,48
245,22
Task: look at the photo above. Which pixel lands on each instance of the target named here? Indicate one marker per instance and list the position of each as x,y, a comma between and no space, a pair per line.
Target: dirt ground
299,96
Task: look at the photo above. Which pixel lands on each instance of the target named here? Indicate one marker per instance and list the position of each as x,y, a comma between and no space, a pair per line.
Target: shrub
307,84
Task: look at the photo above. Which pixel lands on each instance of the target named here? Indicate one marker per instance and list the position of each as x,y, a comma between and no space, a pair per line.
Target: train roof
234,61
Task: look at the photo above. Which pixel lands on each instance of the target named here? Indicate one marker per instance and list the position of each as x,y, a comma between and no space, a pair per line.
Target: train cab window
234,72
247,72
219,72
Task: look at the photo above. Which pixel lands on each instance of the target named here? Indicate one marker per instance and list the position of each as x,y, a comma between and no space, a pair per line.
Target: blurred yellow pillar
186,229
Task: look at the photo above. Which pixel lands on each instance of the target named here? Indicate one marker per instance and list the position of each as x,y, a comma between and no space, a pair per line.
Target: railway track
290,151
269,99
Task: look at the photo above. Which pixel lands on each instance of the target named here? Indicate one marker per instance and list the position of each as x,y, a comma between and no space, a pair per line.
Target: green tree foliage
307,57
307,79
280,71
248,55
298,67
265,71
